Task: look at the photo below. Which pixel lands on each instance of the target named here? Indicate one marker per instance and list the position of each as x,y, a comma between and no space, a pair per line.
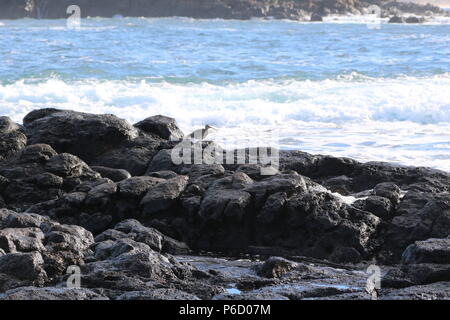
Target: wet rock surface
50,293
12,137
81,134
162,126
132,220
428,251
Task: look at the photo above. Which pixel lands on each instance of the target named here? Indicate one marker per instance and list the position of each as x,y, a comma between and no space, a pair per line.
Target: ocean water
345,87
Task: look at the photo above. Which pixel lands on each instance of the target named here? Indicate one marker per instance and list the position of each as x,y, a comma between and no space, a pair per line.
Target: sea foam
403,120
335,101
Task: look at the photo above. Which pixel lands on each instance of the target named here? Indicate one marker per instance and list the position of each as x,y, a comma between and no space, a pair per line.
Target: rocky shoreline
302,10
97,192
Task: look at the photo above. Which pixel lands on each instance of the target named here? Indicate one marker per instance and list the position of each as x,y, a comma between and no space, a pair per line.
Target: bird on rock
201,134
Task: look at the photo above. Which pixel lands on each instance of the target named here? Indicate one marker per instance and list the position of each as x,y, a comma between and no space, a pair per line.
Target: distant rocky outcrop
395,7
410,19
226,9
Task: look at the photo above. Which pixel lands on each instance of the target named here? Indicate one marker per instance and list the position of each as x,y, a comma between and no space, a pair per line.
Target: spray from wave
404,120
338,101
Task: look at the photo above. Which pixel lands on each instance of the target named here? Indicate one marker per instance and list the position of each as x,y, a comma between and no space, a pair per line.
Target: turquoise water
341,87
